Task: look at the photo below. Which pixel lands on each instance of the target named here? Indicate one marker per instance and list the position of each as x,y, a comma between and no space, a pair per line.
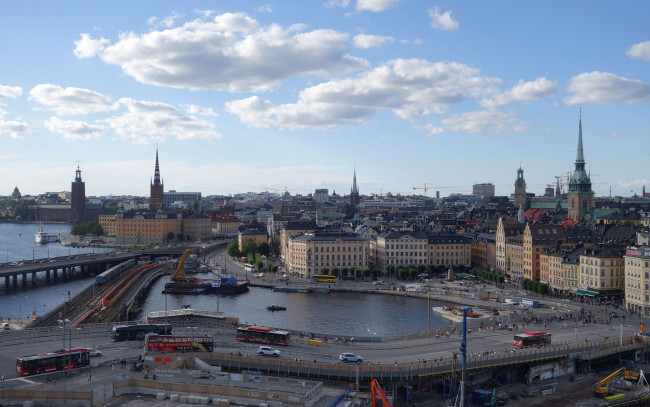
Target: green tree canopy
233,250
264,249
249,247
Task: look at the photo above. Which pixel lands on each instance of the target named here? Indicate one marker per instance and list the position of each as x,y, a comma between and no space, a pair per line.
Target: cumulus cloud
14,128
605,87
482,121
370,41
229,52
409,88
74,129
639,51
88,47
200,110
146,121
337,3
70,101
264,8
442,21
11,92
523,92
375,5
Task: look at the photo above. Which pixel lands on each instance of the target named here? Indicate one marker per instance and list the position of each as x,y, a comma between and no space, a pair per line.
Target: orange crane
179,274
375,390
601,389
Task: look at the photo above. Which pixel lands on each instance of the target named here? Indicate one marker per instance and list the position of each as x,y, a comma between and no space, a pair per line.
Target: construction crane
375,390
425,187
601,389
179,274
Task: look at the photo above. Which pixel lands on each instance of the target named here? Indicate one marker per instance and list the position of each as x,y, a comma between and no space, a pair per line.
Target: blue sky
250,96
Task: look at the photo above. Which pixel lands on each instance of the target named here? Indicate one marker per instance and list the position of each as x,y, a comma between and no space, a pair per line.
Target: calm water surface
343,314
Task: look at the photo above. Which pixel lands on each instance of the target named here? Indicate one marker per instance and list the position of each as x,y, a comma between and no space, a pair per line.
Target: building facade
484,190
602,271
143,228
312,253
637,280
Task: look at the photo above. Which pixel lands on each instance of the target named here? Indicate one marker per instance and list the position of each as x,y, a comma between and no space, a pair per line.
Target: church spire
156,175
355,190
580,158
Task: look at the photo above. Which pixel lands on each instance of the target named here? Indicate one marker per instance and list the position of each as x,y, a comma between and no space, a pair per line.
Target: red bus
532,338
178,344
262,334
53,361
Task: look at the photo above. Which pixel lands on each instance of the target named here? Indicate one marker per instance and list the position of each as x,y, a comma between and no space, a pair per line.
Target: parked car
378,283
95,352
268,351
350,357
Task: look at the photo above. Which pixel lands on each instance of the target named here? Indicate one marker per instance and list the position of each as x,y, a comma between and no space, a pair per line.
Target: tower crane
425,187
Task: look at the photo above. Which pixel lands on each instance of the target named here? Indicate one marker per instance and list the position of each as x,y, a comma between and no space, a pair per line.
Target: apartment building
310,253
637,279
602,272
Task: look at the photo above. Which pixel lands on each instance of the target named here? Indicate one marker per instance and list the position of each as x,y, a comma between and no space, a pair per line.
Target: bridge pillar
47,274
33,277
6,282
15,276
24,280
55,274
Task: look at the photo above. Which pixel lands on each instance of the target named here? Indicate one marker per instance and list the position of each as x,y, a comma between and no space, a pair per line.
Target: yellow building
251,234
536,237
637,280
108,224
143,228
310,253
295,227
602,272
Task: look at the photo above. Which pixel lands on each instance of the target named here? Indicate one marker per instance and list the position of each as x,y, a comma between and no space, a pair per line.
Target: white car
378,283
350,357
95,352
268,351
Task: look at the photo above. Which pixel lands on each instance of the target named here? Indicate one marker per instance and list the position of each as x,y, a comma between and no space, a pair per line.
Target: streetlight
63,322
192,328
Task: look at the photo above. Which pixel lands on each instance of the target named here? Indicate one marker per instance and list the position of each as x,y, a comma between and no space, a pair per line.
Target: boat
42,236
224,286
275,308
289,289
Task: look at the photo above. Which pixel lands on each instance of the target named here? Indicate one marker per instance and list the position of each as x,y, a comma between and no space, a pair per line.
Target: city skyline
271,96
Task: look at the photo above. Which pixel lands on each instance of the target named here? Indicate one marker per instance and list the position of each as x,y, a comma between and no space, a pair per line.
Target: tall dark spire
580,157
156,175
355,190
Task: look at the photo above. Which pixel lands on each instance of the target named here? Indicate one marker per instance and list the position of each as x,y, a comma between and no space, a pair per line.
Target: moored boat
225,286
41,236
276,308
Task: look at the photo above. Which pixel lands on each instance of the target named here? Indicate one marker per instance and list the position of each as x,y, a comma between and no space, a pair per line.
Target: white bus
249,267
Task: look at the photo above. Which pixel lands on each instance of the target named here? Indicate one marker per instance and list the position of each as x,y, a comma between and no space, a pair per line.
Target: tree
264,249
249,247
358,273
97,230
170,236
325,271
233,250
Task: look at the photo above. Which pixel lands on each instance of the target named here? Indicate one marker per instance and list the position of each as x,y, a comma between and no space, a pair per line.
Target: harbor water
342,313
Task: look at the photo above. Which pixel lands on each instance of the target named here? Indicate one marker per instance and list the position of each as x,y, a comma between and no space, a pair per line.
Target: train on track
113,272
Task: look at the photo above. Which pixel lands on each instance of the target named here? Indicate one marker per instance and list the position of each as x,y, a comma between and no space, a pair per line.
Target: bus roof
53,353
536,332
262,329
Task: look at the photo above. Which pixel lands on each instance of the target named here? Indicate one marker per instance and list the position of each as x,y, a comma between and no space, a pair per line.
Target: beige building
142,228
294,228
251,234
108,224
637,280
197,226
505,228
536,237
514,262
226,226
310,253
602,271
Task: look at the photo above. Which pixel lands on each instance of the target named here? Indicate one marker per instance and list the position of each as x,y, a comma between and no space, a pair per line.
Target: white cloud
523,92
337,3
200,110
639,51
370,41
13,128
229,52
146,121
70,101
88,47
264,8
442,21
74,129
409,88
11,92
605,87
482,121
375,5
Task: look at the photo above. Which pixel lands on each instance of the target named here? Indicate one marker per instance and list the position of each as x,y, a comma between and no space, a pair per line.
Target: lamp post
192,328
63,323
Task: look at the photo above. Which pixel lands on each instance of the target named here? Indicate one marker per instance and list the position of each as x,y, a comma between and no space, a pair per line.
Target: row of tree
488,275
534,286
89,228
